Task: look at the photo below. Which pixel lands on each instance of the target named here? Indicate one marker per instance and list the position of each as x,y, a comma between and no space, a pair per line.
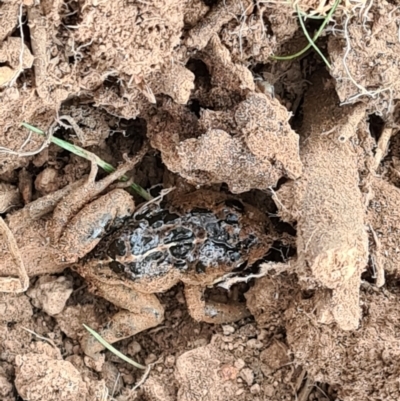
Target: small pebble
247,375
180,298
150,359
128,379
200,342
254,343
176,314
134,348
169,361
227,330
262,335
255,389
240,364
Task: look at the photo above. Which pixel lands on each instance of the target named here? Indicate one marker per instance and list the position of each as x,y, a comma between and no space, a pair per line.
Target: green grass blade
112,349
85,154
316,36
311,42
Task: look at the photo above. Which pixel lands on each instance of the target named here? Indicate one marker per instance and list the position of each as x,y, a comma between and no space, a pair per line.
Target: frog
128,255
195,239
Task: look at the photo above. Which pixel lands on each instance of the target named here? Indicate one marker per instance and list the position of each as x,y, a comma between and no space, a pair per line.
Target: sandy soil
298,167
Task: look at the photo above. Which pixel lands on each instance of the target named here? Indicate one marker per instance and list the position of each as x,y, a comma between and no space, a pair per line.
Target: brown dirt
313,153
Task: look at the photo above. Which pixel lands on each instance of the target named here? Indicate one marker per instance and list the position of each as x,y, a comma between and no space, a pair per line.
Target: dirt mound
271,269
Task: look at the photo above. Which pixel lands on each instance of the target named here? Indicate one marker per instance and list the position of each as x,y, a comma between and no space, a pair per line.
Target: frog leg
139,312
212,312
75,200
86,229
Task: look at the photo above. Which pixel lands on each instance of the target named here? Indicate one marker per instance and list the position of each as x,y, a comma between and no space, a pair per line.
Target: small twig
88,156
380,272
115,385
26,142
306,390
144,377
39,336
119,354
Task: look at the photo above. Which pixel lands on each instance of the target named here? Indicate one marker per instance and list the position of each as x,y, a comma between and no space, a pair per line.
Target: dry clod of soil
269,298
71,319
6,388
15,308
51,293
43,376
136,37
274,357
218,16
366,58
9,16
47,181
9,197
140,38
195,11
254,38
174,80
10,54
157,389
254,141
223,71
207,374
16,106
